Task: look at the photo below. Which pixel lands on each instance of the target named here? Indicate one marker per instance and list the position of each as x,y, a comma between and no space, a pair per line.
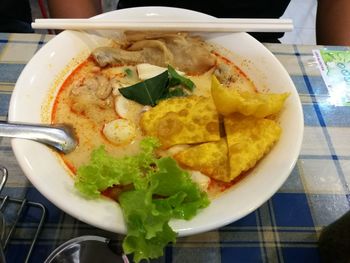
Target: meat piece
192,56
104,87
146,51
133,36
154,52
111,56
225,74
98,86
93,92
189,54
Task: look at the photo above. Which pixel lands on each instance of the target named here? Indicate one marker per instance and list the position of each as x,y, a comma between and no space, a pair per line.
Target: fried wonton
248,140
182,120
260,105
208,158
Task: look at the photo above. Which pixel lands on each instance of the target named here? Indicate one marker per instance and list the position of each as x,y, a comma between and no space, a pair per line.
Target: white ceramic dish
48,68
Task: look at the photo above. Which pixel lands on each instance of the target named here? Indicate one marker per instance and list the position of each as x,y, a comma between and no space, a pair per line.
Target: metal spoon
61,137
4,175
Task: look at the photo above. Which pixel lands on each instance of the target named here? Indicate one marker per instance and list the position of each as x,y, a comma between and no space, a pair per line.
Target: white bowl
43,75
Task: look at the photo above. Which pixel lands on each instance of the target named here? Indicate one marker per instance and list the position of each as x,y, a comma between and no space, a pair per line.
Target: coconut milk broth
89,123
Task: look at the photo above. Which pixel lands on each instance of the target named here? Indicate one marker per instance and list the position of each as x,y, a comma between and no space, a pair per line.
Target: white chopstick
215,25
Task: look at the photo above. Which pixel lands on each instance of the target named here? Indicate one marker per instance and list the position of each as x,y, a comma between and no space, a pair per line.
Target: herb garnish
128,72
176,79
165,85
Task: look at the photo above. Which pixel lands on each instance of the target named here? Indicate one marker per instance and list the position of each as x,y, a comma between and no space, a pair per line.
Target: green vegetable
165,85
176,79
147,92
161,191
175,92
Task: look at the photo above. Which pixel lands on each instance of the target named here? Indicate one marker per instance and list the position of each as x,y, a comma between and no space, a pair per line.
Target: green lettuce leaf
161,191
105,171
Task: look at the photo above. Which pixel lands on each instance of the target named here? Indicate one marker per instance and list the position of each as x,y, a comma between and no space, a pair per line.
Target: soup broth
90,99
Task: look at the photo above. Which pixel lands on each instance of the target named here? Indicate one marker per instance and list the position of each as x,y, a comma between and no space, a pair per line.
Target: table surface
284,229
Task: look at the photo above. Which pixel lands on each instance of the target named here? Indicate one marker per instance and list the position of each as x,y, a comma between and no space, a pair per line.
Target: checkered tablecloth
284,229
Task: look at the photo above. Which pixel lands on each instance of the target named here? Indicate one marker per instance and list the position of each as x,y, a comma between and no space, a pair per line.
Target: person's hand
333,22
74,9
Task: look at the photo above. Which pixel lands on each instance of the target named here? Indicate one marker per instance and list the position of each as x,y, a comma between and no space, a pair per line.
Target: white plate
45,72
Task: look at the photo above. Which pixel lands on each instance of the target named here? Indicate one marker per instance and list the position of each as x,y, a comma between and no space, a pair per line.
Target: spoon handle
58,137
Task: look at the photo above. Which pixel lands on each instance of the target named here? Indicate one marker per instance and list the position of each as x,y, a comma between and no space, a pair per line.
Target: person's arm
74,8
333,22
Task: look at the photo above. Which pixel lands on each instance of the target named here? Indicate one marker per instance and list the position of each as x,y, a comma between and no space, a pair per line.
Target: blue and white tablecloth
284,229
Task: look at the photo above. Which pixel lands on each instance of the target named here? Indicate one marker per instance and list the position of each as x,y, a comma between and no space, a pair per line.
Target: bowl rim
18,145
